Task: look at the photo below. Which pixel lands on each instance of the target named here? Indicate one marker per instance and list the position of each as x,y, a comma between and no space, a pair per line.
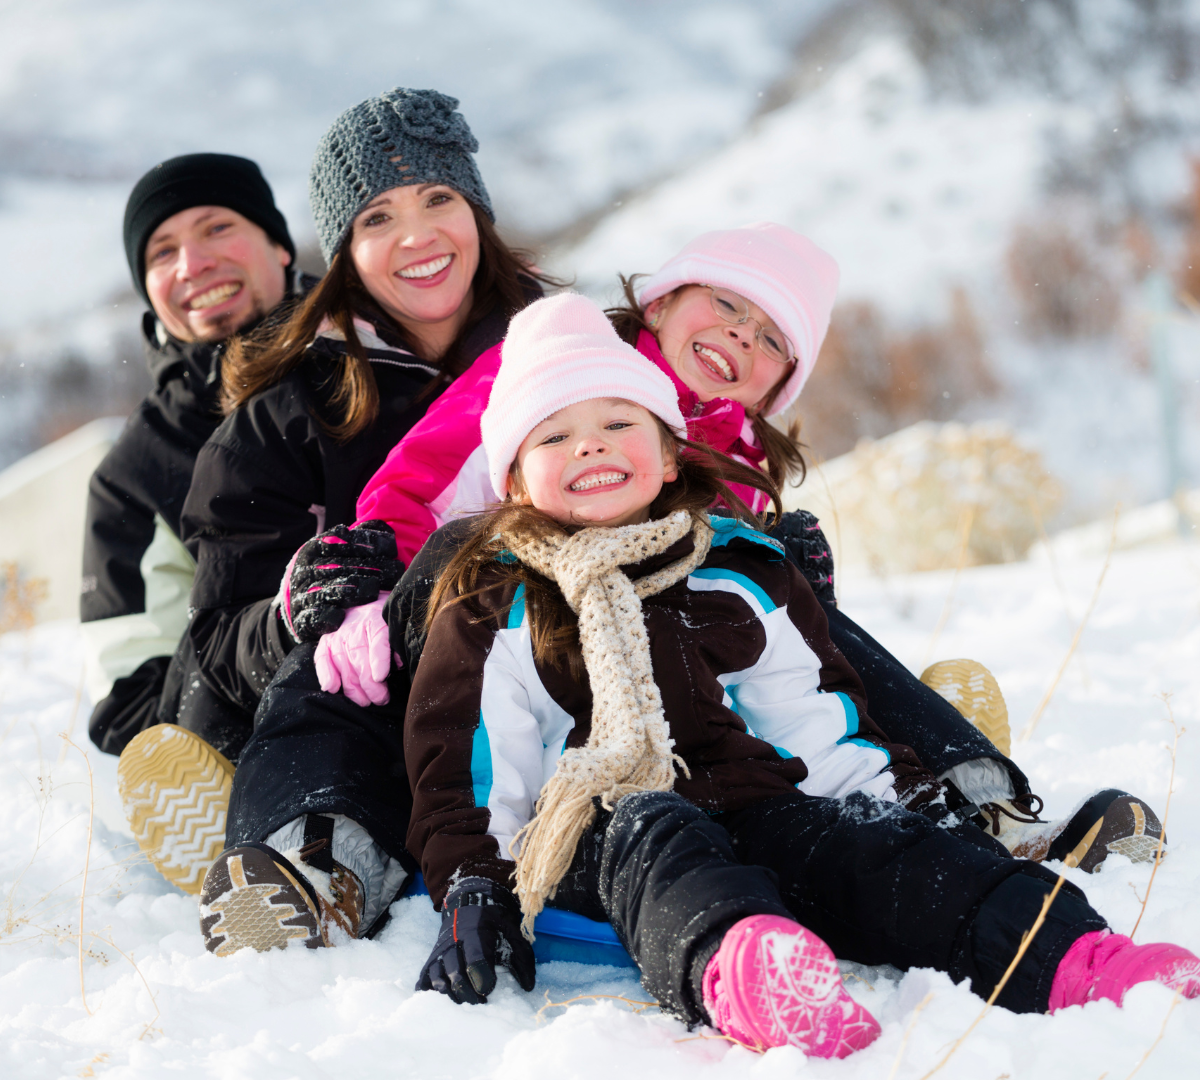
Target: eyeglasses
734,309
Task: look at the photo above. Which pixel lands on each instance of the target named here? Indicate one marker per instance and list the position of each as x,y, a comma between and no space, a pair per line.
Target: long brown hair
504,280
785,462
704,476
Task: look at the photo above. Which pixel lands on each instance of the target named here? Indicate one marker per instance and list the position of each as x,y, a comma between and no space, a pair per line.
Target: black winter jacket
135,499
269,479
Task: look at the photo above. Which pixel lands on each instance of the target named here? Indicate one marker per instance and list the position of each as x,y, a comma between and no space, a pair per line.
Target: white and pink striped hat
784,273
560,351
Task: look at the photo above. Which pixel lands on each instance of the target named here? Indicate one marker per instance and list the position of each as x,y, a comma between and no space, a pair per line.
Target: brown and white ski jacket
757,697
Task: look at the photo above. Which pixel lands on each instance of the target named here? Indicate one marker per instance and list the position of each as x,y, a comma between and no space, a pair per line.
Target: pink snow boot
1102,964
773,983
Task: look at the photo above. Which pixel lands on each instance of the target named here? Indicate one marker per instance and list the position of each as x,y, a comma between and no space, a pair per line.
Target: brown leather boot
254,897
1110,821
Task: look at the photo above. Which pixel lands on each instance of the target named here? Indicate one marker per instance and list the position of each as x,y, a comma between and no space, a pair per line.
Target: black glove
481,927
807,547
336,570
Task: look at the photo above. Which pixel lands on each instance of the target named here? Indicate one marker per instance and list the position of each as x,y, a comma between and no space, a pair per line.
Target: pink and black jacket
438,471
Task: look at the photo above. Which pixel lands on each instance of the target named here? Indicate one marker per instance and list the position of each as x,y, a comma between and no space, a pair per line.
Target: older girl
736,320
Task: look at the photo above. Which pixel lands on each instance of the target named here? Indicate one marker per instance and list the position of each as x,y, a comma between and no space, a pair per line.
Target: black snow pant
169,690
878,884
908,710
318,753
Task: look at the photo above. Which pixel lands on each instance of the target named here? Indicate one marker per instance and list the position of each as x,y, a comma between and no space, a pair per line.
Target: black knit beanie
198,180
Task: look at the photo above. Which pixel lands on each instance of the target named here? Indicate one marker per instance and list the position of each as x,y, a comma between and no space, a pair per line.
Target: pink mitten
357,657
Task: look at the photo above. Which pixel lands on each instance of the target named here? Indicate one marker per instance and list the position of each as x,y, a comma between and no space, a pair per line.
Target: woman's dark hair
704,476
785,462
258,360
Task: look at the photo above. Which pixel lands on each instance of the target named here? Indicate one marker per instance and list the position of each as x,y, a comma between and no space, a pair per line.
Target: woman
419,284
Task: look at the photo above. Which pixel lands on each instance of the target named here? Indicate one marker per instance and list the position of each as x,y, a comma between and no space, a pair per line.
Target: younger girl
641,706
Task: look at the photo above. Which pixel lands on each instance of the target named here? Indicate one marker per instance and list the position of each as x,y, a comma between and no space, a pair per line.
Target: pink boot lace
1102,964
773,983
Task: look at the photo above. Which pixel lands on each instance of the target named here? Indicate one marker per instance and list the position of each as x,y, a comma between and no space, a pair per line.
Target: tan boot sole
175,789
974,692
252,901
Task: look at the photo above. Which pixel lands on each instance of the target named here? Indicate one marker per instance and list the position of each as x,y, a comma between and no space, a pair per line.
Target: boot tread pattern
175,789
974,692
256,914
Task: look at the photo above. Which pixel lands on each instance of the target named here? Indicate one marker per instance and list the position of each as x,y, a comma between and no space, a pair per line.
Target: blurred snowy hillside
994,178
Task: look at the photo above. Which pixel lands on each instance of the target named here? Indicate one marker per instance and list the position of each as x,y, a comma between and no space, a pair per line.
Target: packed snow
158,1005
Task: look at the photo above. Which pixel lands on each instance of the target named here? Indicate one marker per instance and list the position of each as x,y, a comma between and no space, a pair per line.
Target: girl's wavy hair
785,462
704,476
260,359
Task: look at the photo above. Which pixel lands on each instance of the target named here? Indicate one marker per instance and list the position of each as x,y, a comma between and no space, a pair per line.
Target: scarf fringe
629,748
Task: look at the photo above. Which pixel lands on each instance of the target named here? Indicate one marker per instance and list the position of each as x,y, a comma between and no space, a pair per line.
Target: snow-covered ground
158,1005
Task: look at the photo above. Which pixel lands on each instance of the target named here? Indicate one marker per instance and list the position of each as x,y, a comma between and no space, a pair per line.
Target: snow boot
175,790
974,692
256,898
1102,964
1109,821
774,983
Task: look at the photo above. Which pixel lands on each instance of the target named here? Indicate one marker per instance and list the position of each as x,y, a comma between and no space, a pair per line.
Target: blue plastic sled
563,935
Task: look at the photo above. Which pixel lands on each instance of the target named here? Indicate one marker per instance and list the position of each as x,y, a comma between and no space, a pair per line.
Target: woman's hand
356,658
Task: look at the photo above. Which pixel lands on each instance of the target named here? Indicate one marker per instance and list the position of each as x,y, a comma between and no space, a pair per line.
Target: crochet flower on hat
430,115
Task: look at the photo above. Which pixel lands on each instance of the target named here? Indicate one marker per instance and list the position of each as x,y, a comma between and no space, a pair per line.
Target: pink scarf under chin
721,422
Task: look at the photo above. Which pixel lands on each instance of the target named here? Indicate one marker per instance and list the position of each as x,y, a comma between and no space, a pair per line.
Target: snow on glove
339,569
481,927
808,549
356,658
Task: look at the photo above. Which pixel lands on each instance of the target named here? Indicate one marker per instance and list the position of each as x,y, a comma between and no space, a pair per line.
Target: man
211,255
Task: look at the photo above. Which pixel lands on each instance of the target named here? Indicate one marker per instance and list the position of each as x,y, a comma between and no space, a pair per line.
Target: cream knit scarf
629,748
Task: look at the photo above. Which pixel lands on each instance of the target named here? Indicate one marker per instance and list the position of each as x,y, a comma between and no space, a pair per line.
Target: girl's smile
597,462
713,357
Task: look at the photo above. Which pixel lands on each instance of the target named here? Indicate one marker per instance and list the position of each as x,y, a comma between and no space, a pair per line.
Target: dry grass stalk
1161,1031
966,521
132,963
1037,713
907,1032
70,729
719,1038
1166,813
1026,941
851,975
637,1006
87,856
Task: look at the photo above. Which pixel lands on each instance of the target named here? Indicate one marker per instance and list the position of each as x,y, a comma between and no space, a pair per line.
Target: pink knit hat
558,352
784,273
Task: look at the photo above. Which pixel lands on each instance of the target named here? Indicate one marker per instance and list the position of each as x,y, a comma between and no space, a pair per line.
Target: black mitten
481,927
808,549
339,569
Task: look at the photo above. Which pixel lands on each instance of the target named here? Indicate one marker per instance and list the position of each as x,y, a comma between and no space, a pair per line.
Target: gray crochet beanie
399,138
